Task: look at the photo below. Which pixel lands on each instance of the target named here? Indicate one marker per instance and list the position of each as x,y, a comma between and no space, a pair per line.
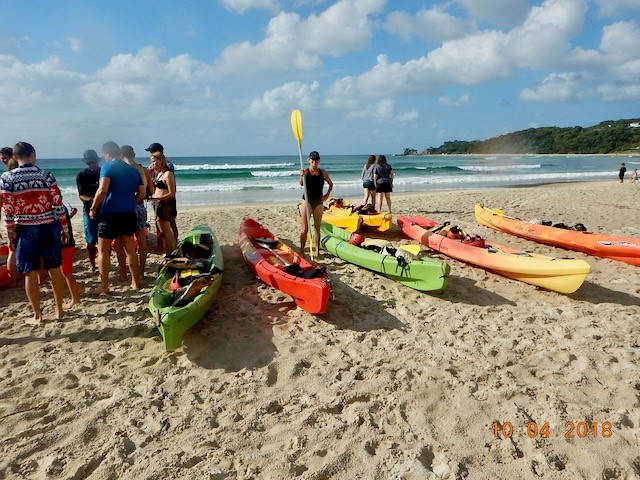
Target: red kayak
280,267
5,279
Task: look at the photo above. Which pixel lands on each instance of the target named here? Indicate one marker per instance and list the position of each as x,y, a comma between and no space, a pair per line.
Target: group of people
39,224
623,170
377,179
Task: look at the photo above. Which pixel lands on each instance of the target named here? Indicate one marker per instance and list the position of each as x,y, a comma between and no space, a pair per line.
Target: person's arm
328,180
392,175
103,189
302,174
84,198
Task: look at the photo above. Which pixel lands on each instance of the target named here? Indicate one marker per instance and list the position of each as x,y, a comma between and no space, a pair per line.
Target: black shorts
384,188
114,225
166,210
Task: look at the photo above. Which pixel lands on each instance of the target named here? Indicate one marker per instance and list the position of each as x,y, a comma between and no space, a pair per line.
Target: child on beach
634,176
68,249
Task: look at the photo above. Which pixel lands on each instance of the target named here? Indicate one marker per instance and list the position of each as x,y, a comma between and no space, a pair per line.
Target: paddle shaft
286,264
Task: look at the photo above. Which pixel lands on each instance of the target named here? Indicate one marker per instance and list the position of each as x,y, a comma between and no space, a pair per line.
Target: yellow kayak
370,218
351,222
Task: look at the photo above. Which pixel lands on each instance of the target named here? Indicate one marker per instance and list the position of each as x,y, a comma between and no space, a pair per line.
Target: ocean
238,180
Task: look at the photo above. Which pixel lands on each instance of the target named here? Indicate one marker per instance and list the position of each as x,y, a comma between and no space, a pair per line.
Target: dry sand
390,383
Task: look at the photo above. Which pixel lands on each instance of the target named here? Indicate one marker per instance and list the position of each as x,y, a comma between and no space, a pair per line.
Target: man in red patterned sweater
36,225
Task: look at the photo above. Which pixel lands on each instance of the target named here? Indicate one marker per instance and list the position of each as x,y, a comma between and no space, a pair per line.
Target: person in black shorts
121,187
383,176
314,178
163,188
87,182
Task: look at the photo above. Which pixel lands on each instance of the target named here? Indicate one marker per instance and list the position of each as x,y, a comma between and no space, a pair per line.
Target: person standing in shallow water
623,170
314,178
36,225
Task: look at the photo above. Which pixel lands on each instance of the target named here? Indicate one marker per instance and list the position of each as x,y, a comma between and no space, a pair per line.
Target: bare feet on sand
70,304
36,320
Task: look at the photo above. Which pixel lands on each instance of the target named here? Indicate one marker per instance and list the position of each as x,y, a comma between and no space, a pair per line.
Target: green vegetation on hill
606,137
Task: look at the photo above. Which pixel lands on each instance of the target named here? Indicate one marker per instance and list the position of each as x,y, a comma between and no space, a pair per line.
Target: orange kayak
558,275
623,249
277,265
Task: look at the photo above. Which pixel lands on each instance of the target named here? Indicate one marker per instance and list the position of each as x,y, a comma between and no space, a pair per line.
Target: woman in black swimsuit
314,178
163,191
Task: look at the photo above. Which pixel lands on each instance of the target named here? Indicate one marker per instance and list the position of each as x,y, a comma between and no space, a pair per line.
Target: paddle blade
296,126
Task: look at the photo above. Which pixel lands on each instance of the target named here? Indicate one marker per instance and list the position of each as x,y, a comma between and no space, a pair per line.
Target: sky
221,77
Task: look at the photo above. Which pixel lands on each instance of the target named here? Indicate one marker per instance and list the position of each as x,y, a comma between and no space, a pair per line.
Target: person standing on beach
623,169
367,181
314,178
634,176
163,189
120,189
87,182
36,225
68,249
154,149
6,155
383,178
129,156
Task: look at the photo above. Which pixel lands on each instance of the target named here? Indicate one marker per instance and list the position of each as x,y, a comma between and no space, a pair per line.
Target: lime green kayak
187,285
426,274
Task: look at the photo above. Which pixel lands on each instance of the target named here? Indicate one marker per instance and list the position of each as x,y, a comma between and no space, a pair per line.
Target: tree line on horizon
607,137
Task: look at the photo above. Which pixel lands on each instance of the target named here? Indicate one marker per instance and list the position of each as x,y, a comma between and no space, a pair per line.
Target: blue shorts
141,217
90,229
369,185
38,246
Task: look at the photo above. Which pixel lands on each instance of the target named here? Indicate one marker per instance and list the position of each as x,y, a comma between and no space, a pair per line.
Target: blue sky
220,77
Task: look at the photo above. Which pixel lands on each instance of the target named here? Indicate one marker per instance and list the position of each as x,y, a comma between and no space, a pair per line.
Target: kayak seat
200,250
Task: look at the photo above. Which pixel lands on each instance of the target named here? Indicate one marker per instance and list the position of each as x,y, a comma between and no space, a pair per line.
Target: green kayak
426,274
187,285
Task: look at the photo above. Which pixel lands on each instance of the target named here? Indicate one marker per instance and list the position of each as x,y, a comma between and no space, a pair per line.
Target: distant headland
608,137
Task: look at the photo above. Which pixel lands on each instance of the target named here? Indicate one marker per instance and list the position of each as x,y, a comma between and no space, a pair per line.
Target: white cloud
294,43
543,40
500,12
277,101
241,6
143,79
540,42
556,87
611,7
430,24
617,93
75,44
383,111
621,42
25,85
463,101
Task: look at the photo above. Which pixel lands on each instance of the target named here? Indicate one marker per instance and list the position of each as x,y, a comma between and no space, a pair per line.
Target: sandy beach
391,383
